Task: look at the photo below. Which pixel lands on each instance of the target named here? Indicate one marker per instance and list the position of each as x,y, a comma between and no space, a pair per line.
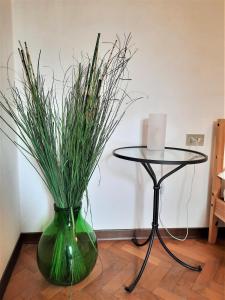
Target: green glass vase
67,250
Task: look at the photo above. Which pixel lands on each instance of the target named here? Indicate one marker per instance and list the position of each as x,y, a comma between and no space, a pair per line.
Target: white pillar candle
156,132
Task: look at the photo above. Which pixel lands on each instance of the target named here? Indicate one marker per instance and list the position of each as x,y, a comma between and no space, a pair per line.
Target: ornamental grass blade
66,137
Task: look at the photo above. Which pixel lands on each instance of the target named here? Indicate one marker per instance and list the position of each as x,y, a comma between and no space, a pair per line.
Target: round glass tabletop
168,156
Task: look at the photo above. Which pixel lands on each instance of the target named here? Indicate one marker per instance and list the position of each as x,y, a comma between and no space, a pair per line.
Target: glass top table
169,156
178,157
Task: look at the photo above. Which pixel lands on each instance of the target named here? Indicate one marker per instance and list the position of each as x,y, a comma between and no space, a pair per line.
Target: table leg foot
136,243
131,287
199,268
184,264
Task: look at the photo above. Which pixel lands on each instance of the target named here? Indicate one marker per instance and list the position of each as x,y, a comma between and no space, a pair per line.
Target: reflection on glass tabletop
170,155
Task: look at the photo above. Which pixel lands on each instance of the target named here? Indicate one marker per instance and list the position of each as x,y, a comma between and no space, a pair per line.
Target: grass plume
67,137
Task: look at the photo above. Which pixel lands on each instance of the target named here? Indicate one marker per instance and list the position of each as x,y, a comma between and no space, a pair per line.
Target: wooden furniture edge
219,210
217,206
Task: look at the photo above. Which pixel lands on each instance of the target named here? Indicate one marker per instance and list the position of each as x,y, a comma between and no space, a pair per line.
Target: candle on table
156,131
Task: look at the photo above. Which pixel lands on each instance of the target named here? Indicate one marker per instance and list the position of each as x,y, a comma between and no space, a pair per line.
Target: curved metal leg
134,283
184,264
136,243
150,239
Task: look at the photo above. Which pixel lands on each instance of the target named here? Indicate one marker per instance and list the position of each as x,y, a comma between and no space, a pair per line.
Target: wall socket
195,139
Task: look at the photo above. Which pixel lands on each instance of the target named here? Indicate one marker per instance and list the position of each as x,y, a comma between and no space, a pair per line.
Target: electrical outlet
195,139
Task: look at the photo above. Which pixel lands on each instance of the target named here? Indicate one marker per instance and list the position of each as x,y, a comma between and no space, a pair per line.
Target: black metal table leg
147,157
184,264
155,230
131,287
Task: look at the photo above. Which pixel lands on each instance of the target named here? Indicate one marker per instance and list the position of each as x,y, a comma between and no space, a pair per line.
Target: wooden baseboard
127,234
10,266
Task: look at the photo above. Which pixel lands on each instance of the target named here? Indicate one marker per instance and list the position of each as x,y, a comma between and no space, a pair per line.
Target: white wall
179,69
9,194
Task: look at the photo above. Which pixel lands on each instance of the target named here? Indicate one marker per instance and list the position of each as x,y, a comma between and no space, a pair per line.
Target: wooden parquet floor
120,260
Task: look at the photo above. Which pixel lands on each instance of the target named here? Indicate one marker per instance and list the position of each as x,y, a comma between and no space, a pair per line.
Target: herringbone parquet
120,260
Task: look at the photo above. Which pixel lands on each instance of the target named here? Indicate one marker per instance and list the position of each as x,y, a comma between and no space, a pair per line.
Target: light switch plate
195,139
